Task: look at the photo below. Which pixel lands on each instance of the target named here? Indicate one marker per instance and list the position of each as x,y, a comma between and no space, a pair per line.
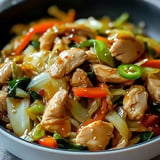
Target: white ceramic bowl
28,151
140,10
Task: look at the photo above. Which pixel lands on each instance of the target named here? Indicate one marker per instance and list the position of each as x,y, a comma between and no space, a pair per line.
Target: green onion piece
121,19
37,132
17,83
37,108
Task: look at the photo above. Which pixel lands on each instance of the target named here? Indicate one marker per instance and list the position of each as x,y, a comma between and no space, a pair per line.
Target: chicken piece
46,40
135,102
5,72
3,105
153,86
54,117
80,79
95,135
66,62
107,74
127,51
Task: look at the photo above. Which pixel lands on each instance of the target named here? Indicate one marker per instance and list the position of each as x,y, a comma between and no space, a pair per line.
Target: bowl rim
19,140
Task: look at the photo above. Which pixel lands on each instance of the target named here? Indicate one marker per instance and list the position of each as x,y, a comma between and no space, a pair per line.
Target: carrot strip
96,92
71,15
104,40
154,63
39,28
48,141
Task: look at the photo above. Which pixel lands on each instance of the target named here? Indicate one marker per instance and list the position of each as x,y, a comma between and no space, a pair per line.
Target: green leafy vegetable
34,95
35,44
145,136
17,83
101,49
64,143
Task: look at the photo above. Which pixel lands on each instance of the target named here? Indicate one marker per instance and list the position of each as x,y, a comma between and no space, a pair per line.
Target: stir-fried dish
86,84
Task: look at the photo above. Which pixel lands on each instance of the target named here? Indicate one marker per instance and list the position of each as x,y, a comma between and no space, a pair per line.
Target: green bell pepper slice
101,50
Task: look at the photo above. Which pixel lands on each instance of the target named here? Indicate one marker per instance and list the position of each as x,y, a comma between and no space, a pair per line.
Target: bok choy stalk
45,82
17,115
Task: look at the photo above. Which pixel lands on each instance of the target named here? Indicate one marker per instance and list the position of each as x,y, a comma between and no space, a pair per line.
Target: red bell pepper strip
102,111
39,28
154,63
48,141
95,92
149,120
156,131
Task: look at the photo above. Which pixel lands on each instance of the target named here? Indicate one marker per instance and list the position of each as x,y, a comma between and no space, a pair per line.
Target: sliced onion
119,123
79,112
17,114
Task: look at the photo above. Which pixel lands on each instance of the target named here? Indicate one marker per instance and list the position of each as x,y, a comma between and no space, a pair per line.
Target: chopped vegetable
37,132
17,83
120,20
130,71
39,28
101,49
96,92
35,44
48,141
154,63
17,115
64,143
119,123
35,109
146,136
102,111
79,112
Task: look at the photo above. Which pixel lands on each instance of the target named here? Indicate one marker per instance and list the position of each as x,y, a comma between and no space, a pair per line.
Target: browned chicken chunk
127,51
67,61
153,86
54,117
95,135
135,102
5,72
80,79
107,74
3,105
46,40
